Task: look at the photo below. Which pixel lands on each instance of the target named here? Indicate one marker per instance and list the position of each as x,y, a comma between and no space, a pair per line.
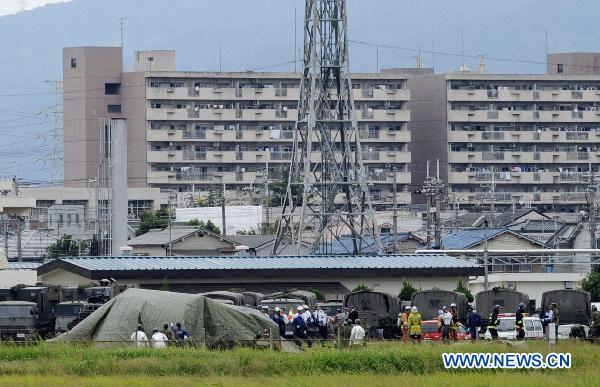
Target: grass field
377,364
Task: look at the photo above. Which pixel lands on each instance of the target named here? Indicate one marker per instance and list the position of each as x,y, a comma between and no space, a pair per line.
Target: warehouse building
330,274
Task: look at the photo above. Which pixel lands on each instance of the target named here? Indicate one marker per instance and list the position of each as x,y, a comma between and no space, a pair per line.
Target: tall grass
374,359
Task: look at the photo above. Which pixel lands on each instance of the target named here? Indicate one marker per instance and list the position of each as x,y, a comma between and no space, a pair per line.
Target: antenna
433,48
122,29
295,41
462,49
220,58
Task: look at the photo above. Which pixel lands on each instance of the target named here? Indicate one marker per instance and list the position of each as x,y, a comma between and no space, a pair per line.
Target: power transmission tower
591,190
433,189
326,167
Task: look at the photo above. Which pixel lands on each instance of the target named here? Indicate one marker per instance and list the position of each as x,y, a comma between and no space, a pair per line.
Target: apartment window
76,218
154,84
112,88
60,219
155,105
73,63
68,219
114,108
559,68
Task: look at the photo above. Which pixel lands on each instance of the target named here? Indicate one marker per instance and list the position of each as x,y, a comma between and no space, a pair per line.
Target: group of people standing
160,338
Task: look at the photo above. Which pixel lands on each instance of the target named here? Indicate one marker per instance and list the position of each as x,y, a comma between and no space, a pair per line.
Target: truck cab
18,320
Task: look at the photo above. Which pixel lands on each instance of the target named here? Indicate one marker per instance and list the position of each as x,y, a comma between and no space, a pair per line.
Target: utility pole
493,203
170,223
433,188
267,196
395,209
485,266
19,247
591,191
223,211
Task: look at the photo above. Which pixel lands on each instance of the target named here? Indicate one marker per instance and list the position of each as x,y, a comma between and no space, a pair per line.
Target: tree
361,288
67,247
153,219
214,198
591,283
407,291
263,229
278,190
318,294
208,226
461,288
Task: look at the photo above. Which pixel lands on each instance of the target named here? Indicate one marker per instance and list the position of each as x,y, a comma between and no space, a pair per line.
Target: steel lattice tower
327,194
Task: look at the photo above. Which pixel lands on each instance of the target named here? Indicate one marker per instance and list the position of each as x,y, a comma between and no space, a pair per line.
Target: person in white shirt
139,337
158,339
446,323
357,334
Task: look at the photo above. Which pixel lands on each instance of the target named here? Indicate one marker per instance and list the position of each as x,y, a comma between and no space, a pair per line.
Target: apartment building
524,140
191,131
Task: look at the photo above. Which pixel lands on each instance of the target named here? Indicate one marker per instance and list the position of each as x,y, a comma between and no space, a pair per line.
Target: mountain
259,34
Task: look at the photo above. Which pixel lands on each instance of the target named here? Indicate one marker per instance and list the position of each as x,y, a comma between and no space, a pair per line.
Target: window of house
559,68
73,63
76,218
112,88
68,219
60,219
114,108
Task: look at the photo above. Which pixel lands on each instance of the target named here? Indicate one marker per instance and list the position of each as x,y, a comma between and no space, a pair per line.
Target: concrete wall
134,108
427,126
391,285
154,60
10,278
85,102
574,63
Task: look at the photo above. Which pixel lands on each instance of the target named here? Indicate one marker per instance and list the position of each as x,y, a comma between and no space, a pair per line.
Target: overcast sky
9,7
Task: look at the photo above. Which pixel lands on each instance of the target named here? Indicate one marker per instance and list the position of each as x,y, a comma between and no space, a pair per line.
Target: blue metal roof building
469,238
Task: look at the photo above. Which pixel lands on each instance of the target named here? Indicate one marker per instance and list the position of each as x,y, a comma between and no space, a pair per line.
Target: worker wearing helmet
494,322
454,325
519,321
415,321
404,322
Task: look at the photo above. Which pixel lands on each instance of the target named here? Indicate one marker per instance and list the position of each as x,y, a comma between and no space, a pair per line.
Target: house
328,273
405,242
497,239
501,219
190,240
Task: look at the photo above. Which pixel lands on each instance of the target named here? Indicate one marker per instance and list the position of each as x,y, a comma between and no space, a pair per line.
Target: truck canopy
233,298
430,302
374,306
507,298
574,306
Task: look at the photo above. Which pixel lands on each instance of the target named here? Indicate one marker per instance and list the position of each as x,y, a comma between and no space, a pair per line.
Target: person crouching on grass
414,322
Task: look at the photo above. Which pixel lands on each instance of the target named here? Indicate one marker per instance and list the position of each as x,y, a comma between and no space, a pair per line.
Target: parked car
506,328
430,331
564,331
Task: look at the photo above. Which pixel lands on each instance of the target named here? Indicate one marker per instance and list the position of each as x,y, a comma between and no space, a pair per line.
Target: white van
506,328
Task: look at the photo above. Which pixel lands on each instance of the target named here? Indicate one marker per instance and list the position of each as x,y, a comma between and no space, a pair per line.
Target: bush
407,291
361,288
591,283
461,288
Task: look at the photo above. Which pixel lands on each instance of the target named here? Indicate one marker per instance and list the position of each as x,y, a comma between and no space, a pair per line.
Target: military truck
45,299
66,314
508,299
430,302
574,306
253,298
379,310
18,320
224,297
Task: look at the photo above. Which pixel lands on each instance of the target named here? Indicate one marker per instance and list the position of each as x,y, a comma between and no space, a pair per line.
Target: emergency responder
321,319
278,319
494,321
404,321
353,315
446,323
139,337
595,323
440,320
555,315
473,323
414,322
454,325
519,326
300,328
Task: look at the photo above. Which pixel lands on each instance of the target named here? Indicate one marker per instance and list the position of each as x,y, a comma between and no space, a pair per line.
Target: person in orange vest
404,323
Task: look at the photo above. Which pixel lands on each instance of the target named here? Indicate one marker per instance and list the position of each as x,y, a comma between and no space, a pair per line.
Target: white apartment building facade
191,131
522,140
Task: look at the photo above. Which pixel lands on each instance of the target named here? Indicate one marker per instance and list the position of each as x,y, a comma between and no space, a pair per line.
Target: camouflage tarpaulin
207,322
